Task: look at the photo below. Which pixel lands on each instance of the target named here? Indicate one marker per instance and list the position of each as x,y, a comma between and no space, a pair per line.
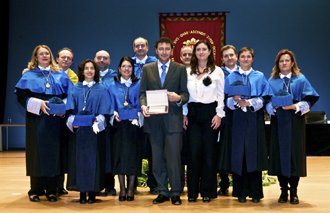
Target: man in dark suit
165,130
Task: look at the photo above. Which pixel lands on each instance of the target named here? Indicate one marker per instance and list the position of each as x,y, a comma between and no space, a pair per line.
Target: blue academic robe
245,136
138,66
287,145
108,79
226,72
127,136
87,169
42,131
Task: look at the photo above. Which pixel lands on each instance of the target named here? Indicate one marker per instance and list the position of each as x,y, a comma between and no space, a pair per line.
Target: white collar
103,73
127,82
143,61
167,64
232,70
89,84
44,68
288,75
243,72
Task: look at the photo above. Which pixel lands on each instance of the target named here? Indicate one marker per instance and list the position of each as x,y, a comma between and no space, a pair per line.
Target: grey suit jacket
175,81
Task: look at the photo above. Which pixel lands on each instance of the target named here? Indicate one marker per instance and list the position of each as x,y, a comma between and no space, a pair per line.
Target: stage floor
313,192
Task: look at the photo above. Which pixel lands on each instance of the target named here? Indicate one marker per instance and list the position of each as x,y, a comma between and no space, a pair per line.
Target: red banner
188,28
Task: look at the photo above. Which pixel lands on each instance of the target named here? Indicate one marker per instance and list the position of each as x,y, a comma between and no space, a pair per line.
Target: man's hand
144,109
185,122
173,97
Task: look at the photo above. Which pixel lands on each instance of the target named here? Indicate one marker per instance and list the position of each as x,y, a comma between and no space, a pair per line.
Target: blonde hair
33,63
276,70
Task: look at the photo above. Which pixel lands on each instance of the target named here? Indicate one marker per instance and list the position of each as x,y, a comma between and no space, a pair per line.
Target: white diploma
157,101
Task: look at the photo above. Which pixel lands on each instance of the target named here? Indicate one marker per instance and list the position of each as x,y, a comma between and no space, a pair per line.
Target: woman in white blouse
202,118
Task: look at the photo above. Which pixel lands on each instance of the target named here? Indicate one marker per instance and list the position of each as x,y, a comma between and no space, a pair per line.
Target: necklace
86,94
204,69
47,84
125,96
286,83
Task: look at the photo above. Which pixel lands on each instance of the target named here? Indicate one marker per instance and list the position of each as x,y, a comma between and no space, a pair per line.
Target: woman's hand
290,107
243,103
237,98
185,122
44,108
117,117
216,122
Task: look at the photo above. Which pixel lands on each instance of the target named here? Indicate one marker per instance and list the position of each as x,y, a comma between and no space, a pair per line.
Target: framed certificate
157,101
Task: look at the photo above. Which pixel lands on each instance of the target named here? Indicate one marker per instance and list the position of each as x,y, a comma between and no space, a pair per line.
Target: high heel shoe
122,196
130,195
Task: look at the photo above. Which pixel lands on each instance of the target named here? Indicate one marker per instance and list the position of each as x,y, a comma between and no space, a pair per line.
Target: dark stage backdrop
86,27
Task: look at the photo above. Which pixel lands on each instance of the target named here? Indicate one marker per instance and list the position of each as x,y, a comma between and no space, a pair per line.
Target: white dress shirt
199,93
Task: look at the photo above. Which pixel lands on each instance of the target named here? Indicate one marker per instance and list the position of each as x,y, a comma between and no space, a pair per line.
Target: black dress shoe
51,198
160,199
34,198
293,196
91,197
192,199
283,197
255,200
62,192
294,200
83,198
242,199
176,200
206,199
222,192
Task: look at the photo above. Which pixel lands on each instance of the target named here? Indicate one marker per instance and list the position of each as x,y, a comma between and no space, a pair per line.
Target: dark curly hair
81,68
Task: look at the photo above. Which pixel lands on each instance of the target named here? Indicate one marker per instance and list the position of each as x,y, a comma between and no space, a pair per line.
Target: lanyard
86,94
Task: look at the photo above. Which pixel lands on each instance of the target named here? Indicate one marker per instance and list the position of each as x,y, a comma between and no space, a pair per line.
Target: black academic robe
42,131
244,136
87,151
287,155
127,136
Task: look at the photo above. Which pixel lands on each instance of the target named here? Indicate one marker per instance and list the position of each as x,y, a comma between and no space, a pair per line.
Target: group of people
98,123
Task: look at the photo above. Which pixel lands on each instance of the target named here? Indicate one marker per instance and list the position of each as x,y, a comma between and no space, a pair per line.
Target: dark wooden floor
313,191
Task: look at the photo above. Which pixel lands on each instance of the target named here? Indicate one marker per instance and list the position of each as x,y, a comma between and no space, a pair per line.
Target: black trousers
43,185
249,184
224,181
288,182
202,150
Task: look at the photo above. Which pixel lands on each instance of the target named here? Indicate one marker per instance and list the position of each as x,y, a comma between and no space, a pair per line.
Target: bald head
102,59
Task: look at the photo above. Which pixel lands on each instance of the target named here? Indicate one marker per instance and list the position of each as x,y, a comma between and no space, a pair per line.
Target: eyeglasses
187,54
